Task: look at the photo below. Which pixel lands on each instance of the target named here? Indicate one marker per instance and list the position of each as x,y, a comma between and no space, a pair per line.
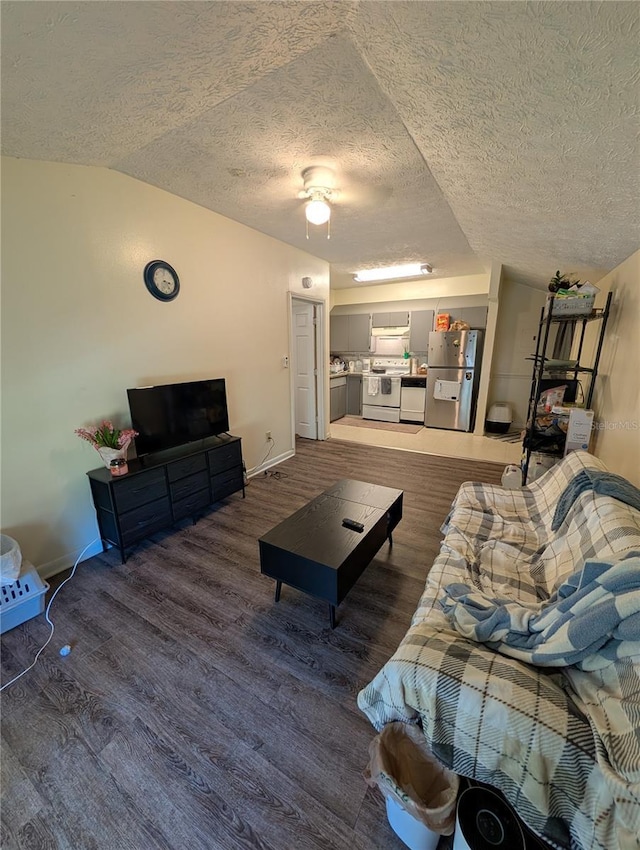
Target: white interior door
304,365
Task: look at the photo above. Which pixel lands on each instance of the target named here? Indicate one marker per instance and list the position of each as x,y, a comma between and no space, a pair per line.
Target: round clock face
161,280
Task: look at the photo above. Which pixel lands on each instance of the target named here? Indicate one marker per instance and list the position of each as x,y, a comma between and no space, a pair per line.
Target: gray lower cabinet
354,395
337,398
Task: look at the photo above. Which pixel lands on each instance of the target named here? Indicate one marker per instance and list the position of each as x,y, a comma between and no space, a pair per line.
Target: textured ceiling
459,132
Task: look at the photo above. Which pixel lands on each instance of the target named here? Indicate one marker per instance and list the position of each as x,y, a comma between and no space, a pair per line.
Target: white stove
390,366
381,389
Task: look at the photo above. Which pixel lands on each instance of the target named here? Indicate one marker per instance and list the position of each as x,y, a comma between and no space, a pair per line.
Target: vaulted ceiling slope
460,132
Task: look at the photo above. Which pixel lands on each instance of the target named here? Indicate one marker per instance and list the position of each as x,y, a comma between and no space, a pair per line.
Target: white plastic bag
512,477
10,559
402,767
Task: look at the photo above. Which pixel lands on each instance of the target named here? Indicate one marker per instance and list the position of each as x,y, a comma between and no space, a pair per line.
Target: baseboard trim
65,562
271,462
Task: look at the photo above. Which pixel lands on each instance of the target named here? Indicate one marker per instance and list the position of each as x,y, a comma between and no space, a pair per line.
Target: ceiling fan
319,193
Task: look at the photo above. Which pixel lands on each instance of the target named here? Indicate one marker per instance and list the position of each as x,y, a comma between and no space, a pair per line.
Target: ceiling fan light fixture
319,190
392,272
317,211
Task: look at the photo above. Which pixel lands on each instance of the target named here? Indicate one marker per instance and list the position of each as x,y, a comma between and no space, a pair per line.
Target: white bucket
412,832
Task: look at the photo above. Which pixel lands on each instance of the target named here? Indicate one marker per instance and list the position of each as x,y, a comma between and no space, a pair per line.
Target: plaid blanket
602,482
592,619
560,743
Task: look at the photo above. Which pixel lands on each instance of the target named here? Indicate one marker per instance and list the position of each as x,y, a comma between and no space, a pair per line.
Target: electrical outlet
268,435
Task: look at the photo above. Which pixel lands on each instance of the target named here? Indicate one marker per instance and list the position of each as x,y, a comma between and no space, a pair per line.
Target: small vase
109,455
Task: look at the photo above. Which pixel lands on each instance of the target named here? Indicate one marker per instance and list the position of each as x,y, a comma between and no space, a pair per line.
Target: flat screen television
170,415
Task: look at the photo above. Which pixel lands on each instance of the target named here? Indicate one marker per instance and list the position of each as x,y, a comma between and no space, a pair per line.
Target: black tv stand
175,452
163,488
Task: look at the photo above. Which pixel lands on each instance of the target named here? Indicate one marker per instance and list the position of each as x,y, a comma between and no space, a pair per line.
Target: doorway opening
307,358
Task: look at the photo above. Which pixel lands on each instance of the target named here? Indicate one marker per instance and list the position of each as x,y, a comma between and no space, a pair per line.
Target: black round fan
487,822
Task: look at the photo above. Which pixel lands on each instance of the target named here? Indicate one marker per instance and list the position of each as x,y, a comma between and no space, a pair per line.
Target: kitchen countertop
374,375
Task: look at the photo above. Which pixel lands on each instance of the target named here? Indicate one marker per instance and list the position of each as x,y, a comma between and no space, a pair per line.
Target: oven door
379,405
380,391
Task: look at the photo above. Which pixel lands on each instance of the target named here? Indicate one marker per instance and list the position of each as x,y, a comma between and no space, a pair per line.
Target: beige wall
516,332
616,400
440,287
495,283
79,327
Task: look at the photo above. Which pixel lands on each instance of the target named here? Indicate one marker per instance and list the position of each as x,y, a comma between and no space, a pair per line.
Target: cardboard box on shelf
579,430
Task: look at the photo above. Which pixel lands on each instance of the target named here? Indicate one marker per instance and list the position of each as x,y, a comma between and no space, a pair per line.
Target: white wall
79,327
516,332
616,399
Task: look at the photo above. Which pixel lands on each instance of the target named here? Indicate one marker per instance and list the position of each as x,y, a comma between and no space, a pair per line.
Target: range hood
403,330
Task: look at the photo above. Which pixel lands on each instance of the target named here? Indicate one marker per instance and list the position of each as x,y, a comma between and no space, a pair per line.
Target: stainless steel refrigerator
452,379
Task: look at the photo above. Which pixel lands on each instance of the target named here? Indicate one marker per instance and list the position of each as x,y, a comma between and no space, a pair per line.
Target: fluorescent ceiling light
393,272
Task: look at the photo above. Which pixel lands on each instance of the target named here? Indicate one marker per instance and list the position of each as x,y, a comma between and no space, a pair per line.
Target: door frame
320,353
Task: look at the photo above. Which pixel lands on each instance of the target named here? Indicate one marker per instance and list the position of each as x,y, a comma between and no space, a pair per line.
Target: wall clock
161,280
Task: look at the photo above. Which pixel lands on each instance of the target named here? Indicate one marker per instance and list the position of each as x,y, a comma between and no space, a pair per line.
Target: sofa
559,738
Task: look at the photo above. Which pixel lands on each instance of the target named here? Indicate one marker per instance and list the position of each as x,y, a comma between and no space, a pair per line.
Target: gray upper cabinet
390,320
359,333
475,316
339,334
421,325
349,334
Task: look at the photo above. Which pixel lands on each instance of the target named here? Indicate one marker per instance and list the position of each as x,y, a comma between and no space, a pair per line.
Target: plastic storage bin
578,306
499,418
22,599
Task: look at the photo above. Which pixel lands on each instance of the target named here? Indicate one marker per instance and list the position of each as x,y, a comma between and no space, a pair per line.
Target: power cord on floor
46,614
272,443
271,473
275,473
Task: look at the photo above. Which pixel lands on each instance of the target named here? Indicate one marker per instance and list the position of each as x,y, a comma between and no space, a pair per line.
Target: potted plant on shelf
561,281
110,442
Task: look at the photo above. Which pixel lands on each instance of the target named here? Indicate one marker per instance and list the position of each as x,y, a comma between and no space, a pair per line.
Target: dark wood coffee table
313,552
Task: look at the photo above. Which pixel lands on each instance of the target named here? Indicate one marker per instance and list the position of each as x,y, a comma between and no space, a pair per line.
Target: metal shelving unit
540,367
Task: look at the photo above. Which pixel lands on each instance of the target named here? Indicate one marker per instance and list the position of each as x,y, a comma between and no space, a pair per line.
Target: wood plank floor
193,712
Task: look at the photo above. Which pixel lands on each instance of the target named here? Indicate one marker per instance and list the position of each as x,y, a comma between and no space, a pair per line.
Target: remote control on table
353,523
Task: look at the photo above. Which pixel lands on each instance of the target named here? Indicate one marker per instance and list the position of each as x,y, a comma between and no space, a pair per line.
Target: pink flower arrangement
107,436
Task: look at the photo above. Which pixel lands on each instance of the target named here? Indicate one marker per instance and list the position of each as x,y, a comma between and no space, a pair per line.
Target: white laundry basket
22,599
